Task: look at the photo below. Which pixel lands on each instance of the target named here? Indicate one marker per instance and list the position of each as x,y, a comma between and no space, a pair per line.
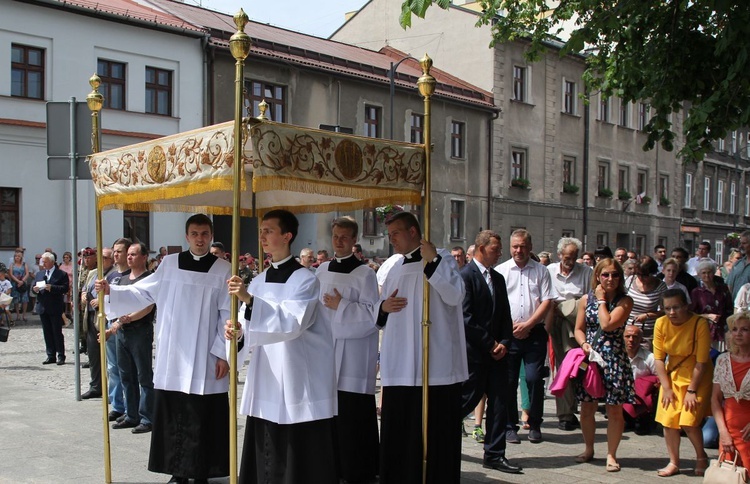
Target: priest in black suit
489,329
51,286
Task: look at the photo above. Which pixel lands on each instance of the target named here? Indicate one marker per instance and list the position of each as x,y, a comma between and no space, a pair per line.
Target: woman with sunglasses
599,327
685,396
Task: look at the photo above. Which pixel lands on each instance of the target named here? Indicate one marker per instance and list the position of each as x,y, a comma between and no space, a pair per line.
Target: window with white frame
734,141
569,170
416,134
457,219
706,193
372,121
747,201
603,108
602,238
732,198
518,163
719,251
643,115
720,196
688,202
602,176
720,144
624,113
663,187
569,97
457,139
642,182
520,75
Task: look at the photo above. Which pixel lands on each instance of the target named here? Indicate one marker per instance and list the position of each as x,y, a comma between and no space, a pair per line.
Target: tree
674,54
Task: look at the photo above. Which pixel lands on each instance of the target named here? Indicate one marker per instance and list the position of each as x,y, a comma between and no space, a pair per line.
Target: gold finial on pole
239,45
426,84
95,102
263,107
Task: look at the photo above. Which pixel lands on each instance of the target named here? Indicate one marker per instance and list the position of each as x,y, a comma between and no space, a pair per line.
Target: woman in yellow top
685,378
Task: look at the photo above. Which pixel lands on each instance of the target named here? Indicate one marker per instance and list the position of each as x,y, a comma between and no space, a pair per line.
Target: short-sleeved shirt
739,276
572,286
528,287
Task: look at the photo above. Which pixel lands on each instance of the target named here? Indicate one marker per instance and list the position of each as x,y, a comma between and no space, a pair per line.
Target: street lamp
392,78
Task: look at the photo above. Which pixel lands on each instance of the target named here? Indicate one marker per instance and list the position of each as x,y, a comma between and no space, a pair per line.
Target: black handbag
4,330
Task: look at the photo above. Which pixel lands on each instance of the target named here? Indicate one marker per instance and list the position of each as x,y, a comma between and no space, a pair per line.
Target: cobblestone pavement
46,436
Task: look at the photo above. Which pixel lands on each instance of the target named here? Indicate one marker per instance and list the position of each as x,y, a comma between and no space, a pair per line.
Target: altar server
400,314
190,437
349,294
290,391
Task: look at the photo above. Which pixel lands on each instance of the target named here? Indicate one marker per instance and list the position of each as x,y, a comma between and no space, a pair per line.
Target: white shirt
401,348
355,335
692,264
643,363
574,285
528,287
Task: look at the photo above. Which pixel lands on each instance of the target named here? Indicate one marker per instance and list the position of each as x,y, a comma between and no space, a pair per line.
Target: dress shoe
200,481
567,425
85,365
143,428
535,436
125,424
121,418
178,480
502,465
49,361
91,394
61,361
114,415
511,437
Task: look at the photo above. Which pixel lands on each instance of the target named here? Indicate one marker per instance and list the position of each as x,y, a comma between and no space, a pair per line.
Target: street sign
58,140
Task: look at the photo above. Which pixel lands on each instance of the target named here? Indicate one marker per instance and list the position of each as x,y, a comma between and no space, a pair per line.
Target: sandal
583,458
670,470
700,470
613,466
525,425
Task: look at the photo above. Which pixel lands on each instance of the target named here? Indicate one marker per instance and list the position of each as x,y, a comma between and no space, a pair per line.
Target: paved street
46,436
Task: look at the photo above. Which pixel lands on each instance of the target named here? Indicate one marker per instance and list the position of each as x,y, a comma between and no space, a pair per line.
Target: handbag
4,330
725,472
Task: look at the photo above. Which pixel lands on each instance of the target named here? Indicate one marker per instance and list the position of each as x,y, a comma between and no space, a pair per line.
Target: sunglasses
607,275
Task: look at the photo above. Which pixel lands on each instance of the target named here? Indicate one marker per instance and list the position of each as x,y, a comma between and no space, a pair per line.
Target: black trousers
488,377
401,435
94,352
54,342
357,443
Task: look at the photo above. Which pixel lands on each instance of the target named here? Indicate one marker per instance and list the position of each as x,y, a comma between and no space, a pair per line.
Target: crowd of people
634,336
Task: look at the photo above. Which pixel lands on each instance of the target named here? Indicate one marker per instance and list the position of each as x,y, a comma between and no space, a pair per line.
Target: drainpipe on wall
491,132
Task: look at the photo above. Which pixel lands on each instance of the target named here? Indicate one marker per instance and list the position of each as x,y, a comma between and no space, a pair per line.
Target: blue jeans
115,390
531,352
134,352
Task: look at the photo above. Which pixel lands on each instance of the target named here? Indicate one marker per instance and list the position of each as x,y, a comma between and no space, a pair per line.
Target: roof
315,52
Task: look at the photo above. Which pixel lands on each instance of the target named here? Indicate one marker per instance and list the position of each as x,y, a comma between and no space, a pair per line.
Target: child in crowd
5,287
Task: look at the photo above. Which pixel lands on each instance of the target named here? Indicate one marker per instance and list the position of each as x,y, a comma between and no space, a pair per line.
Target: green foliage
677,55
664,202
624,195
520,183
570,188
605,192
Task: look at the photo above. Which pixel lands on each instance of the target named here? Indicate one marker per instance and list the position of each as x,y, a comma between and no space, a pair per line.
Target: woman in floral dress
599,327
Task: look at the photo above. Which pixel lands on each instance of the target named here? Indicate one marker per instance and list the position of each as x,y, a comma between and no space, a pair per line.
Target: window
624,113
457,219
519,83
732,198
720,196
719,254
457,139
640,244
603,108
372,121
136,226
158,91
417,128
642,183
643,115
517,163
27,72
664,187
623,174
688,202
369,223
9,215
602,179
569,170
720,144
272,94
734,141
747,201
602,238
569,97
112,87
706,193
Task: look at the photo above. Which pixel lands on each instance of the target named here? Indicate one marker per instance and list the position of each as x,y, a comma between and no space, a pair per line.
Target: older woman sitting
685,393
712,301
730,401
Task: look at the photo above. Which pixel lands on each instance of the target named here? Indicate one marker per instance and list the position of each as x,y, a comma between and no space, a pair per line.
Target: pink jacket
592,379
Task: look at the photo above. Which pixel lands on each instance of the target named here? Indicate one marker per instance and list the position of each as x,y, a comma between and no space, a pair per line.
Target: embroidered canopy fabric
299,169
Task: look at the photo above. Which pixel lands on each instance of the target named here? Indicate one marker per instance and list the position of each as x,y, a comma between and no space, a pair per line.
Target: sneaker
478,434
511,437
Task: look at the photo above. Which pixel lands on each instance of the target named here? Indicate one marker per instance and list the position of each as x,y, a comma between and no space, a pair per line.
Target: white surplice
355,335
290,375
401,348
192,308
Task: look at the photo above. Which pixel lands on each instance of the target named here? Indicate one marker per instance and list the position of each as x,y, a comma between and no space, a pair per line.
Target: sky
315,17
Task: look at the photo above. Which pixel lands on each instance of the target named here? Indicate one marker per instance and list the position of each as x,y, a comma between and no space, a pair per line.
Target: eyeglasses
607,275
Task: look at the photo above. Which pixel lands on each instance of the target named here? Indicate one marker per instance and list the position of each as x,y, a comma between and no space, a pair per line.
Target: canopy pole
426,85
95,101
239,45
